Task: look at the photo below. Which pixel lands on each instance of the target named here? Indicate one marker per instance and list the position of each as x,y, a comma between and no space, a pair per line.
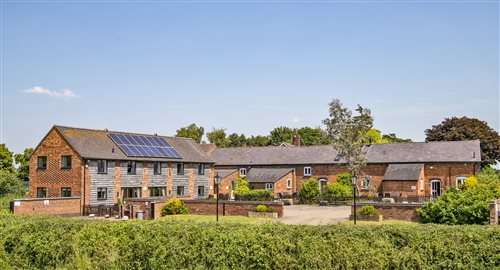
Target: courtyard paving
315,215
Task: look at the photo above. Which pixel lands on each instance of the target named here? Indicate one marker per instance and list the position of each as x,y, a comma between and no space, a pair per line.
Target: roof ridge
123,132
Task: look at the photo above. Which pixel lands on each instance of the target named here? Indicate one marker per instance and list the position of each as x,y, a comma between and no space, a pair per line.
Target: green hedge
255,195
63,243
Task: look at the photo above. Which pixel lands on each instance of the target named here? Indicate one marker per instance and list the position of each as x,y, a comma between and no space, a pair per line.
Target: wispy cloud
295,120
64,94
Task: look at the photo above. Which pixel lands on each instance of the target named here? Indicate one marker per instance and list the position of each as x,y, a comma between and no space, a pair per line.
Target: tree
6,160
281,135
240,186
23,162
10,184
460,129
192,131
258,140
235,140
373,136
347,133
313,136
392,138
344,179
309,190
218,137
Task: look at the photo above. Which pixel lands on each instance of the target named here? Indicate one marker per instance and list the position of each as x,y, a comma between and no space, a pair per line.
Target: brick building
398,169
102,166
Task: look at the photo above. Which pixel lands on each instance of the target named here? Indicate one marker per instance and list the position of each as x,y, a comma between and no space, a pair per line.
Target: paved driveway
315,215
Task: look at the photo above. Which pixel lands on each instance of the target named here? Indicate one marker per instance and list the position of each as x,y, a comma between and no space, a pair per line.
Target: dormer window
243,172
307,171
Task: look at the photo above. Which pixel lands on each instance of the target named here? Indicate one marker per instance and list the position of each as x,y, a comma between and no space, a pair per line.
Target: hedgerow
64,243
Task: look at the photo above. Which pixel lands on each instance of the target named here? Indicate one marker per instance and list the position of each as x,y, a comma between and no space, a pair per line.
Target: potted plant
262,211
367,213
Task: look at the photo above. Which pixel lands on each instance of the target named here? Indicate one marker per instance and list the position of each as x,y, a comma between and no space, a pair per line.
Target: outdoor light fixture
217,182
354,179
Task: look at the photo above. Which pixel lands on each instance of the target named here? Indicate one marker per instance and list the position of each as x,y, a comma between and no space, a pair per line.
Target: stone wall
394,211
69,206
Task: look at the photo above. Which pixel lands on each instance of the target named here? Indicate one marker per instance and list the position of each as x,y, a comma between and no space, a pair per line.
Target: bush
367,210
240,186
336,190
255,195
63,243
261,208
174,206
344,179
10,184
466,205
309,190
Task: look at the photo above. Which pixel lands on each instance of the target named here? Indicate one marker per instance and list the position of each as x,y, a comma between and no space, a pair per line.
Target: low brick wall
494,208
394,211
52,206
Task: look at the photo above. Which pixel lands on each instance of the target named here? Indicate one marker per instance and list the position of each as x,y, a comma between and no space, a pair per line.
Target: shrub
344,179
336,190
309,190
368,210
174,206
261,208
10,184
240,186
255,195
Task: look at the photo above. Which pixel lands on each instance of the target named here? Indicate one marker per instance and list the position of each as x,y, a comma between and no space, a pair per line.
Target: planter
262,214
376,218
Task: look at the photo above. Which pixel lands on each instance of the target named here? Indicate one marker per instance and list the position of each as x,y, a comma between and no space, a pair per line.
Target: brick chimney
296,139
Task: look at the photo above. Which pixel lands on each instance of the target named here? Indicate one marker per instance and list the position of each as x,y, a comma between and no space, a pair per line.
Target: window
307,171
131,192
157,168
102,193
460,180
322,183
269,186
180,190
201,191
289,183
156,192
65,162
131,167
42,163
102,166
41,192
65,192
243,172
201,169
180,168
366,183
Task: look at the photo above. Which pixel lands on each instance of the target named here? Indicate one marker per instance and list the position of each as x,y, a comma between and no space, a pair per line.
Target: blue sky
249,67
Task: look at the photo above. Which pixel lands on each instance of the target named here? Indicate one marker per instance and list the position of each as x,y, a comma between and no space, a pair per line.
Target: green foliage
235,140
313,136
10,184
192,131
373,136
23,162
392,138
255,195
32,242
174,206
261,208
309,190
368,210
460,129
337,190
344,179
240,186
258,140
6,159
281,135
470,182
466,205
218,137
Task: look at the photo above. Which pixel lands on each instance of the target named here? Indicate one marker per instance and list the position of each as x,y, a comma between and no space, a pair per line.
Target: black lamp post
217,181
354,179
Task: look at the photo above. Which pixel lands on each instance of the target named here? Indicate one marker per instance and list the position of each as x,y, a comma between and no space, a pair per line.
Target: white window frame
461,179
289,183
435,181
366,178
322,183
307,171
243,172
269,186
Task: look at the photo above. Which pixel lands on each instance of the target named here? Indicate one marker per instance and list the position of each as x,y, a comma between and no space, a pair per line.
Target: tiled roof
403,171
266,175
96,144
452,151
224,173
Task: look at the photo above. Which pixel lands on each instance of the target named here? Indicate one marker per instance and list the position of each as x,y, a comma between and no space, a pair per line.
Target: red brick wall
447,173
403,188
394,211
226,183
52,206
494,208
54,178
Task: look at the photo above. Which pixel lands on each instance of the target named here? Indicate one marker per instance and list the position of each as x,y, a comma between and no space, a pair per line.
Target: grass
222,219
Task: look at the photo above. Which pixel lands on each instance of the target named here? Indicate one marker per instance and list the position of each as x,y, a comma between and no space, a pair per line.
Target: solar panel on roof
144,146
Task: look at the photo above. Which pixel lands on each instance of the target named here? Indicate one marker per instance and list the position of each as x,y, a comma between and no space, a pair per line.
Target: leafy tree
240,186
309,190
281,135
337,190
373,136
23,161
347,133
10,184
6,160
218,137
460,129
258,140
313,136
235,140
465,205
344,179
192,131
392,138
